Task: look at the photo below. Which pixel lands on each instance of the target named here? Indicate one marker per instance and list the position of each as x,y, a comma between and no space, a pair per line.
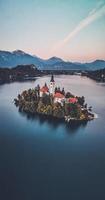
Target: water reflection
55,123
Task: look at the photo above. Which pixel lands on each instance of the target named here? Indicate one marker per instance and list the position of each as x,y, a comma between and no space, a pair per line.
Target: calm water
50,161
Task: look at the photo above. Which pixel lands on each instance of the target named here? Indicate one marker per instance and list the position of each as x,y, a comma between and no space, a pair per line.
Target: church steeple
52,85
52,78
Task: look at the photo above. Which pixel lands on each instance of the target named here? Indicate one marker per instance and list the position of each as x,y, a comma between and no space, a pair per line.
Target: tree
75,111
58,111
55,89
19,96
37,89
68,95
46,99
48,110
63,91
67,109
81,100
24,94
45,85
58,89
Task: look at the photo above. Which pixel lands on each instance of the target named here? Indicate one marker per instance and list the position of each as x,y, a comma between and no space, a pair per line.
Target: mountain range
18,57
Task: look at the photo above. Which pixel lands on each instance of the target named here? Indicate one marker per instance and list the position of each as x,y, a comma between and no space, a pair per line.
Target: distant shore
30,72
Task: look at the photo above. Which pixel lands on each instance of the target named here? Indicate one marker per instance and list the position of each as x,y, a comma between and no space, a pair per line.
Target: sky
71,29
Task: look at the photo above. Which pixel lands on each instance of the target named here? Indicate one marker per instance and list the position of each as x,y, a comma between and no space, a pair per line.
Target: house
44,90
58,97
72,100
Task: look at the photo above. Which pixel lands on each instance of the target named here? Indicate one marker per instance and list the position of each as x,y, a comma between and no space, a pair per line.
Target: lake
41,159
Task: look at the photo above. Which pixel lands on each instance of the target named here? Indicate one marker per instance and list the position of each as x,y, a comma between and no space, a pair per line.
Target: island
54,102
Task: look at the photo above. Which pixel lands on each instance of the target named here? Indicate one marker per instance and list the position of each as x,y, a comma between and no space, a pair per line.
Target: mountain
96,65
18,57
53,60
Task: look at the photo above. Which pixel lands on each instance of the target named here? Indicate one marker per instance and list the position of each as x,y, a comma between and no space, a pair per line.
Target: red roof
44,89
73,100
59,95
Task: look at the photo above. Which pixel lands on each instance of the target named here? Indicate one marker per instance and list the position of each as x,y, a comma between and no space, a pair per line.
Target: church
58,97
50,90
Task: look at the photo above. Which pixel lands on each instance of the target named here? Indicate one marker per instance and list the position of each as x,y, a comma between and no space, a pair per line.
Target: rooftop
72,100
44,89
59,95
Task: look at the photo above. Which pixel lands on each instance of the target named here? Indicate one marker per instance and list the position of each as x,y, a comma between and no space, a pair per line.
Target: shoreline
54,102
30,72
50,118
66,119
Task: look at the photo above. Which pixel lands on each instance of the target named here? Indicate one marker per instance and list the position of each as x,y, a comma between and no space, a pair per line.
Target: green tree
63,91
58,111
81,100
68,95
46,99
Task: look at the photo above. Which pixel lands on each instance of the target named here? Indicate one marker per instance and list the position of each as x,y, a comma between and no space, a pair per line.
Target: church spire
52,78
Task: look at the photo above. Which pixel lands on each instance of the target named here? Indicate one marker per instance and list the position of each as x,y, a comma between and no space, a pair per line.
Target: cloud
93,15
98,6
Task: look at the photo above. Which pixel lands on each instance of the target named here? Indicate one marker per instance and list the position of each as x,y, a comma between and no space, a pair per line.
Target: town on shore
53,101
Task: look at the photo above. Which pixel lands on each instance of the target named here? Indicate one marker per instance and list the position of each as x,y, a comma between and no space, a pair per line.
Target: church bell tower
52,85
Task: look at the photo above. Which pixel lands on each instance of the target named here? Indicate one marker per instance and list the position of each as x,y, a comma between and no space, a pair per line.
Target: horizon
69,30
81,62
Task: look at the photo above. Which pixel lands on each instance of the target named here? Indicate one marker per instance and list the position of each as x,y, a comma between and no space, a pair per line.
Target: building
58,97
44,90
72,100
52,85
